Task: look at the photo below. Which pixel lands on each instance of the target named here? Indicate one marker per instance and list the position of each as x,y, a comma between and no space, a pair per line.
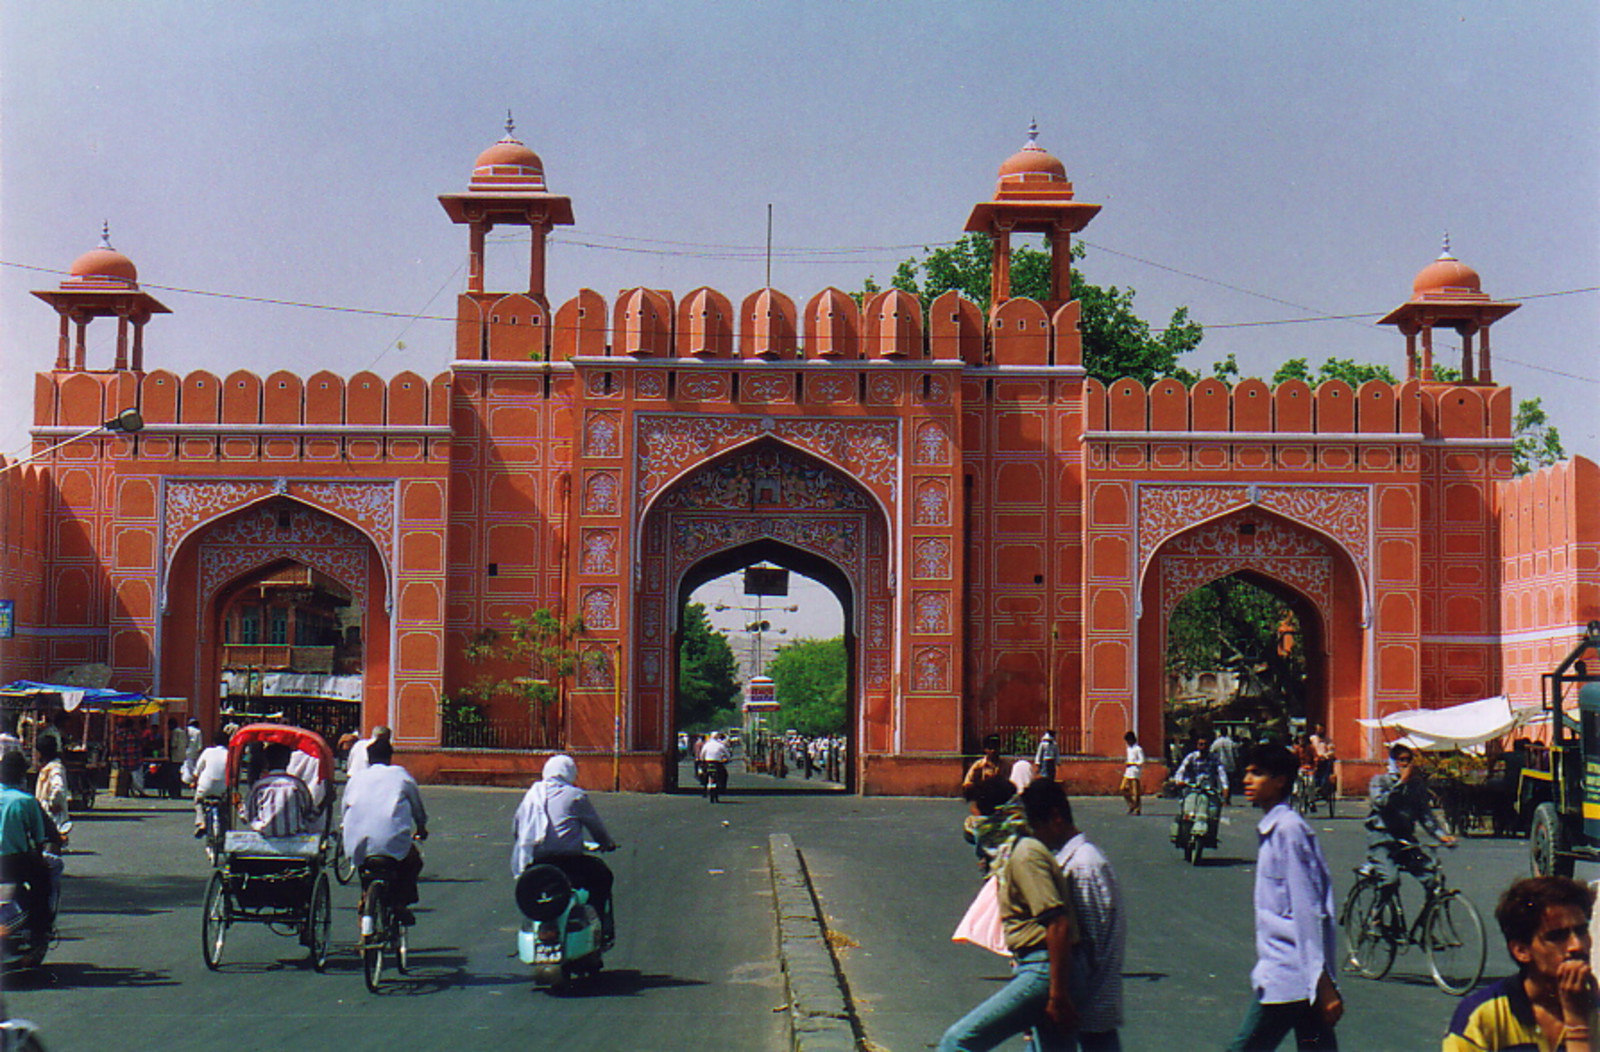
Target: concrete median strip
820,1015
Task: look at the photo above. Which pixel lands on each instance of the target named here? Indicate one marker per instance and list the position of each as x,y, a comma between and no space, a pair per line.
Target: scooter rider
25,834
549,828
715,756
1202,772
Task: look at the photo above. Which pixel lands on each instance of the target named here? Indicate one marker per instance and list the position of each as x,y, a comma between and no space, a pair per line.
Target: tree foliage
1535,444
1350,371
811,677
707,684
529,660
1116,341
1232,624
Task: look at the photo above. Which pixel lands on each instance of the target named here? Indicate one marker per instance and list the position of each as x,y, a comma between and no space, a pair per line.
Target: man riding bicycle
1400,804
383,813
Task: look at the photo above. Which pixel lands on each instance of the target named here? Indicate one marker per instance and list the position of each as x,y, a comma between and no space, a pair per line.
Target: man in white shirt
383,813
715,756
358,759
210,778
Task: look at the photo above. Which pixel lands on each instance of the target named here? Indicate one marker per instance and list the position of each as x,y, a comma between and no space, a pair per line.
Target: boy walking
1293,976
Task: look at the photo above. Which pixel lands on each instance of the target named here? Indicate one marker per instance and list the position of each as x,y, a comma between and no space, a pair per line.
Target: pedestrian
1040,930
130,758
357,761
987,765
193,744
1046,756
995,820
1132,783
1226,750
1102,931
1293,978
1549,1002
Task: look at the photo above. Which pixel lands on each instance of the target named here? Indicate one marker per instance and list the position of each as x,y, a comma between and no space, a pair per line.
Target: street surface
695,967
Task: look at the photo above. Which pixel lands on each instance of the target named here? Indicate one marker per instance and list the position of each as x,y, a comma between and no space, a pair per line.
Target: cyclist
1399,799
383,813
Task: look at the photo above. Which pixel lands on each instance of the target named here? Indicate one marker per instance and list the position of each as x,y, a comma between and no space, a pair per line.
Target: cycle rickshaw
277,880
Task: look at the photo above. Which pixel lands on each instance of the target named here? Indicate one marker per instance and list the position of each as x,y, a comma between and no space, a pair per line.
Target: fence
521,732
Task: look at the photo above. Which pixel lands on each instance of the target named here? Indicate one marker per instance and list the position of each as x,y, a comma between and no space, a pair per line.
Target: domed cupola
1450,294
102,283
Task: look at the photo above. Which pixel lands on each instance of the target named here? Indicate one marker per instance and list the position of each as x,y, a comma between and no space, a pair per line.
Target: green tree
810,676
1535,444
1116,341
706,674
1351,372
530,660
1232,624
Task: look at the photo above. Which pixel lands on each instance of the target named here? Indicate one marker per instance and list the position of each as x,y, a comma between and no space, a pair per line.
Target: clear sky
1257,162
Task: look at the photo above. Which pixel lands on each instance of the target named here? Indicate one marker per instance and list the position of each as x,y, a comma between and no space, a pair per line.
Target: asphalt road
695,967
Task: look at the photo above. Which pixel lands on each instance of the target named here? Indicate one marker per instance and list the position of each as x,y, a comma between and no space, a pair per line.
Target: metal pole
769,244
616,722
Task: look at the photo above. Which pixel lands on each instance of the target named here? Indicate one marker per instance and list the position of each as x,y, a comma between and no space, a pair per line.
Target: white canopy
1457,727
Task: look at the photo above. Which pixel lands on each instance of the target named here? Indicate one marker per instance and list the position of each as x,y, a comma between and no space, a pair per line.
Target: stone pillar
1000,278
1485,369
121,361
1411,354
80,353
478,229
1060,264
1467,372
539,230
64,344
1427,352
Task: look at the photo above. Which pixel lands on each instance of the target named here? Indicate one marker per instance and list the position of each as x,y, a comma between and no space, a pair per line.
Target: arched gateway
1007,535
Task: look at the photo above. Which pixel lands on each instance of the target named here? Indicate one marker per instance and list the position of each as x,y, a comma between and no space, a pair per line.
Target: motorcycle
1196,826
19,951
716,779
561,934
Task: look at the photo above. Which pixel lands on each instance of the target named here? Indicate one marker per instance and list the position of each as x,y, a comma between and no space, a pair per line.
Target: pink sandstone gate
1011,532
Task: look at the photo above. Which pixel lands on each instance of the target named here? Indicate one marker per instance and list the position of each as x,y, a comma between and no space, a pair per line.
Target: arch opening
775,623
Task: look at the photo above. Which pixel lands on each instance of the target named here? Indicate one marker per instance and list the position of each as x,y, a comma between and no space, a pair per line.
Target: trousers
1265,1027
1015,1008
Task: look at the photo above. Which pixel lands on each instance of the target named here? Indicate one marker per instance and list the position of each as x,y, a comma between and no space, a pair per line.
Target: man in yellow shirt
1040,929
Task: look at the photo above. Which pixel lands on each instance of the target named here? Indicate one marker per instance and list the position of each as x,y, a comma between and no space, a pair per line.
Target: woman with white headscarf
550,827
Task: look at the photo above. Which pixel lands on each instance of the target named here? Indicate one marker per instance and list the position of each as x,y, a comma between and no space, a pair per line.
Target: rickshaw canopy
298,738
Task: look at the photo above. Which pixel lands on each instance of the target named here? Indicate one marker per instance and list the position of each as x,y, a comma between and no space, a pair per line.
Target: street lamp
126,422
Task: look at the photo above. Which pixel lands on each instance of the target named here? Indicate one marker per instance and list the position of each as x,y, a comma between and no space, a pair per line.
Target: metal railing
499,733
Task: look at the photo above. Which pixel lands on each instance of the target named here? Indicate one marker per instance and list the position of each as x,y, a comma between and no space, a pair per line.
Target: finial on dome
1445,253
105,233
1033,133
511,125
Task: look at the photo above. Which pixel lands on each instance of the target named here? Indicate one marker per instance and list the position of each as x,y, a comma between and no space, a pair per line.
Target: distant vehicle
1561,807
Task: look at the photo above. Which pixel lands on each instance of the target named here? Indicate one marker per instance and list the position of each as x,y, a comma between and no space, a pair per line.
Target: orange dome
1033,159
1445,275
508,165
104,263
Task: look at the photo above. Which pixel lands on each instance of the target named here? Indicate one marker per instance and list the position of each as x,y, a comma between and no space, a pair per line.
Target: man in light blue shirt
1293,976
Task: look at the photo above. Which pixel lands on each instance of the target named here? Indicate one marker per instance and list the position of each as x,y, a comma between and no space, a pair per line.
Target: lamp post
126,422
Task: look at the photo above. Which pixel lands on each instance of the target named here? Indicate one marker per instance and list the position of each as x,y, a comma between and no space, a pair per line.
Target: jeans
1016,1007
1265,1026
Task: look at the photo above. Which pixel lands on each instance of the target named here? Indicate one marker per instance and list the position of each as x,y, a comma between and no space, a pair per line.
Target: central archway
763,500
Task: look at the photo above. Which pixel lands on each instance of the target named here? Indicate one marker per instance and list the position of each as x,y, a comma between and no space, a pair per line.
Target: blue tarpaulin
100,699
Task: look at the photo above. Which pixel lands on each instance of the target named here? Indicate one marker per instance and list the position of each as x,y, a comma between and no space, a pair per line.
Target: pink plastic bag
981,924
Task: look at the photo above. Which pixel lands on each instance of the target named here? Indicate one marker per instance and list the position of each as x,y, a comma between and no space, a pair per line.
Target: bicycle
1448,929
382,934
1307,794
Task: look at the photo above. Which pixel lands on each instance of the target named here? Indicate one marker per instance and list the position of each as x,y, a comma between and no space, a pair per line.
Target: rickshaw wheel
214,921
320,922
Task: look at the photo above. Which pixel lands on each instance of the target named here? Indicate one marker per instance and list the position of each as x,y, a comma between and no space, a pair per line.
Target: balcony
277,657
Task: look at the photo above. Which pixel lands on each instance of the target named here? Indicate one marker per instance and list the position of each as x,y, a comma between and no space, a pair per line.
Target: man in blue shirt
1293,976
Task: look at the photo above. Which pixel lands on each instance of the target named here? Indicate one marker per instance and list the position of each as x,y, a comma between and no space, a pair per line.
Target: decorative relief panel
188,503
652,385
262,537
930,613
765,475
703,387
884,389
599,551
594,669
830,390
601,436
865,449
932,446
761,388
937,391
932,505
1298,558
602,385
930,558
839,539
930,670
1343,512
600,494
599,608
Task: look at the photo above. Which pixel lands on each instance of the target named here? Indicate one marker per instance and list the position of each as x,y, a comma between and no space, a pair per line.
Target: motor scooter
561,934
17,950
1196,825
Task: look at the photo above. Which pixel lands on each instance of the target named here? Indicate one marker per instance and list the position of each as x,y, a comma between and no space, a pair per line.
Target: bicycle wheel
214,921
319,923
376,908
1368,945
1453,937
344,870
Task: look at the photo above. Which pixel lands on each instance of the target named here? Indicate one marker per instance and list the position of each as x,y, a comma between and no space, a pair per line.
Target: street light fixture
126,422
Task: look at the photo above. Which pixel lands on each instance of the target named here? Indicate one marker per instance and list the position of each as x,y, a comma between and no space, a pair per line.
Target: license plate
543,953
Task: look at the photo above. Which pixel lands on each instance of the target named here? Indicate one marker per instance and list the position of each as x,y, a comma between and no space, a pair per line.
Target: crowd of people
1059,909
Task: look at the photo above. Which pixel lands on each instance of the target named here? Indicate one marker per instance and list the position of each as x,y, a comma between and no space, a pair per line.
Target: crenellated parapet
889,326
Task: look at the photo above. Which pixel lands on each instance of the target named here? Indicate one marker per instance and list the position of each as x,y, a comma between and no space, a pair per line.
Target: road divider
820,1014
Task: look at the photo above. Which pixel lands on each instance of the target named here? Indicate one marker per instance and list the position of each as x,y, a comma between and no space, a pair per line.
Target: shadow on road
78,975
626,982
131,897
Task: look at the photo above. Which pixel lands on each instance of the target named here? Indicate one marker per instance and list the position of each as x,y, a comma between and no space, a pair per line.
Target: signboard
761,695
8,618
766,580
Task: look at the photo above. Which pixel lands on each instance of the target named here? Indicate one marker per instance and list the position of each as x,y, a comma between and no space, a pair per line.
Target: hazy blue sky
1303,158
